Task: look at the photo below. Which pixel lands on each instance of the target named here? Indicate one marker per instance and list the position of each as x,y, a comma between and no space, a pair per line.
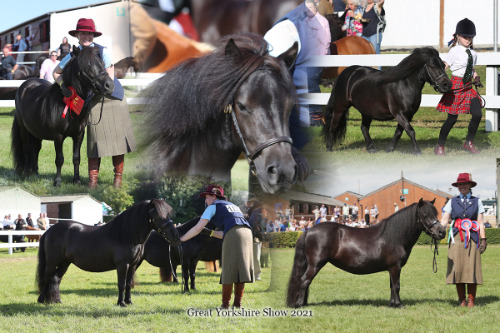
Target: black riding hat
466,28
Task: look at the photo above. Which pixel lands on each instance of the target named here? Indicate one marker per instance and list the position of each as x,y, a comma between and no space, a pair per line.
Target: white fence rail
10,238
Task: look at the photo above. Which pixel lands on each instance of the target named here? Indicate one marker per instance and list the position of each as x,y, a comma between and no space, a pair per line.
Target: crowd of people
41,223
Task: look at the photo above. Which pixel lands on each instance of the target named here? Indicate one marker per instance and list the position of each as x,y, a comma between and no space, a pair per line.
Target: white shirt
457,58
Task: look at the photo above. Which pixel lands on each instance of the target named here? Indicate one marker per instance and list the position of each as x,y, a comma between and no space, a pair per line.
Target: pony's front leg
365,129
405,123
394,274
77,144
122,275
128,286
185,275
58,145
192,273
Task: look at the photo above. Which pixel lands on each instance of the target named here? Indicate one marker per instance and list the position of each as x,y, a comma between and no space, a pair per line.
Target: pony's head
159,217
427,217
85,72
260,104
434,70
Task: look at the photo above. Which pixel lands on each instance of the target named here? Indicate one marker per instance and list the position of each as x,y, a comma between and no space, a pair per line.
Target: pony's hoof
77,182
371,150
417,152
122,304
57,183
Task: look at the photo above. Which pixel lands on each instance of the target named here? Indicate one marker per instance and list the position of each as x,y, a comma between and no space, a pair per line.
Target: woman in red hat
466,240
237,245
104,138
462,98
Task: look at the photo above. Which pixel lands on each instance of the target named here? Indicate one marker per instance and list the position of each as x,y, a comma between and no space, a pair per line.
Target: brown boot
461,294
469,146
227,290
471,290
118,164
239,288
439,150
94,164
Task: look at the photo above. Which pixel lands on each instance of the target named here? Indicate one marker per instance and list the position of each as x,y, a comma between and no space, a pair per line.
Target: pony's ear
433,201
76,50
420,202
232,50
290,55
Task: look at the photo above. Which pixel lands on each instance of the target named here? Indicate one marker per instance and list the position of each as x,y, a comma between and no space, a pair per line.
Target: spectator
64,49
345,212
374,214
355,210
20,46
29,221
323,211
352,24
367,216
396,207
41,222
48,67
270,226
372,31
8,64
20,225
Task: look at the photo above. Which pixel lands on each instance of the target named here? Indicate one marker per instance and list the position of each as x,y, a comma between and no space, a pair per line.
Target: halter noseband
433,81
251,155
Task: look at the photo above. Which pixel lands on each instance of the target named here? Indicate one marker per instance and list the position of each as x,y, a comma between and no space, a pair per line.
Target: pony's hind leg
52,279
36,145
305,282
365,129
404,124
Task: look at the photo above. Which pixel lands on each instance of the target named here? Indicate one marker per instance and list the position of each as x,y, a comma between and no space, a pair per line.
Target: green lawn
338,302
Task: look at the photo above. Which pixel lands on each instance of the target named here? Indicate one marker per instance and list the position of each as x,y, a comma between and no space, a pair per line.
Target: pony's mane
131,225
399,225
194,94
408,65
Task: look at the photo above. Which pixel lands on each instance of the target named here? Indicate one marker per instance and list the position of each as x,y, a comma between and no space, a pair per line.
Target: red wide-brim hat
85,25
464,178
216,190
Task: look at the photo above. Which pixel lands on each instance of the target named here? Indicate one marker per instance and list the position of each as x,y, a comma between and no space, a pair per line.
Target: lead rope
172,266
436,252
100,115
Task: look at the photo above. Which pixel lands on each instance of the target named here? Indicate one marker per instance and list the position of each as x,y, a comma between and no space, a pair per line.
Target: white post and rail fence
489,59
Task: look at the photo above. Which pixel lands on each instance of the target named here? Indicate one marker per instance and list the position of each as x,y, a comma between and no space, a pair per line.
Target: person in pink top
48,67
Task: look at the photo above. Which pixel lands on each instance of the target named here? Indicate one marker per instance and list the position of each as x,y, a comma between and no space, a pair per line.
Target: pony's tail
335,126
40,271
17,147
298,270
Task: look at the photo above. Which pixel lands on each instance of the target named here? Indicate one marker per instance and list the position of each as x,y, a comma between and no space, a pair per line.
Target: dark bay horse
118,244
384,246
383,95
206,111
158,253
39,110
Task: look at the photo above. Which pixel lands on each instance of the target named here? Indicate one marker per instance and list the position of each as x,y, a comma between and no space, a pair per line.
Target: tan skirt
237,256
111,133
464,264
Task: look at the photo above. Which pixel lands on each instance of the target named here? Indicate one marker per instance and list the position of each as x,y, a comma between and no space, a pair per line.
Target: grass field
339,301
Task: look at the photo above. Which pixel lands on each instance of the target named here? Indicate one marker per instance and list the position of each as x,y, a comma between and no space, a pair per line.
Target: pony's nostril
272,170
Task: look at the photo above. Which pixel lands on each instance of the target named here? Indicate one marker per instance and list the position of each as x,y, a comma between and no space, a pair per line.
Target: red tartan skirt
457,101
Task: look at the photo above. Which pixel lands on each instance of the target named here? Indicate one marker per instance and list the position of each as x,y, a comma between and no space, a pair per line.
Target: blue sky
20,11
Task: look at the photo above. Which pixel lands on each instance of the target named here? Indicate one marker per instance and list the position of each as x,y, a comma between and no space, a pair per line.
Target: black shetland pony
206,111
384,246
384,95
158,253
39,110
118,244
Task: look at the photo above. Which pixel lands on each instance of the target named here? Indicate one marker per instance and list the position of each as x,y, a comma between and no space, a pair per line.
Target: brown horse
346,46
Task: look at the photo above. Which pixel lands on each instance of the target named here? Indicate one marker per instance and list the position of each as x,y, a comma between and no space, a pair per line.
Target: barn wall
16,201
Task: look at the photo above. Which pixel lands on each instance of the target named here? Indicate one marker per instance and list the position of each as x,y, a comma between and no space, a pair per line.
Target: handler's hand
477,82
482,245
65,91
206,231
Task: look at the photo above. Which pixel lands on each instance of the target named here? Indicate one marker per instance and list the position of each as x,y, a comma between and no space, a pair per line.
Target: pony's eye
242,107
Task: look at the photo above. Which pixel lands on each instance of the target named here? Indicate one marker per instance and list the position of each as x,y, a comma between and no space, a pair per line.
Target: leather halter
251,155
433,82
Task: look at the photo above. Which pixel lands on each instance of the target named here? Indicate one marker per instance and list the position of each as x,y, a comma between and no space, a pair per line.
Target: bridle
251,155
434,241
433,81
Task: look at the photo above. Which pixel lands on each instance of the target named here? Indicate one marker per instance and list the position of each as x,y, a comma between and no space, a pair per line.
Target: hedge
289,238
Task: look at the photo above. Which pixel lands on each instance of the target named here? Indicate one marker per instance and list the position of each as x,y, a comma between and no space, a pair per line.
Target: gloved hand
482,245
65,91
206,231
477,81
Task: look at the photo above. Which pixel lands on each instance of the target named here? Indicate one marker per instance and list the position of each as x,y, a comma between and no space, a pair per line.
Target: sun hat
216,190
85,25
464,178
